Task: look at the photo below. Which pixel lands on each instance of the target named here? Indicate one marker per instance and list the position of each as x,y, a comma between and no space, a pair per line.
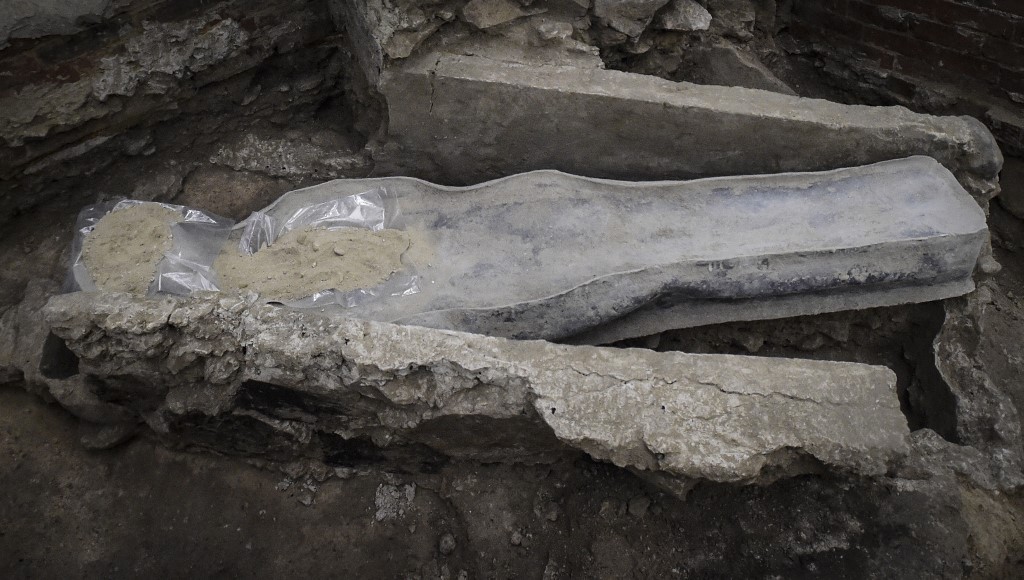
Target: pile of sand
303,262
122,251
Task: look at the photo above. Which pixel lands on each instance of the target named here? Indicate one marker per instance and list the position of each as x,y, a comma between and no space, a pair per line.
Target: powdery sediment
303,262
122,251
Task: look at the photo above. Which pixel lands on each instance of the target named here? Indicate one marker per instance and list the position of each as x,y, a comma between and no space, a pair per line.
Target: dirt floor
142,509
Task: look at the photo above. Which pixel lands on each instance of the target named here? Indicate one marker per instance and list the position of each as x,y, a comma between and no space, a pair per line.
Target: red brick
880,16
833,22
1005,53
900,86
1011,80
936,62
966,15
881,57
963,64
915,67
835,6
1015,7
803,31
898,42
953,37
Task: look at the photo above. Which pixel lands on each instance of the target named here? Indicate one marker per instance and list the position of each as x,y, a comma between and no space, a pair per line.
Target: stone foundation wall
91,94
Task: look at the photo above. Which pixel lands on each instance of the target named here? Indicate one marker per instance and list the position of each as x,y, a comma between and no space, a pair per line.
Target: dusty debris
303,262
393,501
122,252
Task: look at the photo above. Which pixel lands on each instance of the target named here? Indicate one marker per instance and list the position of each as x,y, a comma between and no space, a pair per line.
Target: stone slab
218,368
461,119
550,255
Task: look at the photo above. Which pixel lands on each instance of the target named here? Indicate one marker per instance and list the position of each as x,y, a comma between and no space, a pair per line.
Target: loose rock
447,544
683,16
638,506
630,17
489,13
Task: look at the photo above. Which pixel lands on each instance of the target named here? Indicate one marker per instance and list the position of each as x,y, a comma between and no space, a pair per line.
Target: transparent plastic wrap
374,210
186,267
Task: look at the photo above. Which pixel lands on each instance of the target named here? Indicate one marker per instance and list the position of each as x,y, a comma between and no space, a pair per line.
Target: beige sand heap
122,251
303,262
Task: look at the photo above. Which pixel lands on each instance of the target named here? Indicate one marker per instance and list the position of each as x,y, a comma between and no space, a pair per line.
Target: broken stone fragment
683,16
630,17
725,64
488,13
554,30
737,18
262,380
403,42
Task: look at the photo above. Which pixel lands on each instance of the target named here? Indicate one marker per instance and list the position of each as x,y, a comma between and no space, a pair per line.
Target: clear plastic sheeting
370,209
399,285
187,267
373,209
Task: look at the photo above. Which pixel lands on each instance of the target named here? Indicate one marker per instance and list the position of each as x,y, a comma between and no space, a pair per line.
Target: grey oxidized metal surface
187,365
550,255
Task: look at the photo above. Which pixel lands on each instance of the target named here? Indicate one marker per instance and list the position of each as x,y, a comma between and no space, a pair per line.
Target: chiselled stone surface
498,118
199,363
604,260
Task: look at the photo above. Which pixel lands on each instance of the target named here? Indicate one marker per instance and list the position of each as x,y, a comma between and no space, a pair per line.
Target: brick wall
976,45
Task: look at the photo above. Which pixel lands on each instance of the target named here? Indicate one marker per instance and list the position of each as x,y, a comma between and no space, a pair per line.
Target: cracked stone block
219,370
596,261
497,118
